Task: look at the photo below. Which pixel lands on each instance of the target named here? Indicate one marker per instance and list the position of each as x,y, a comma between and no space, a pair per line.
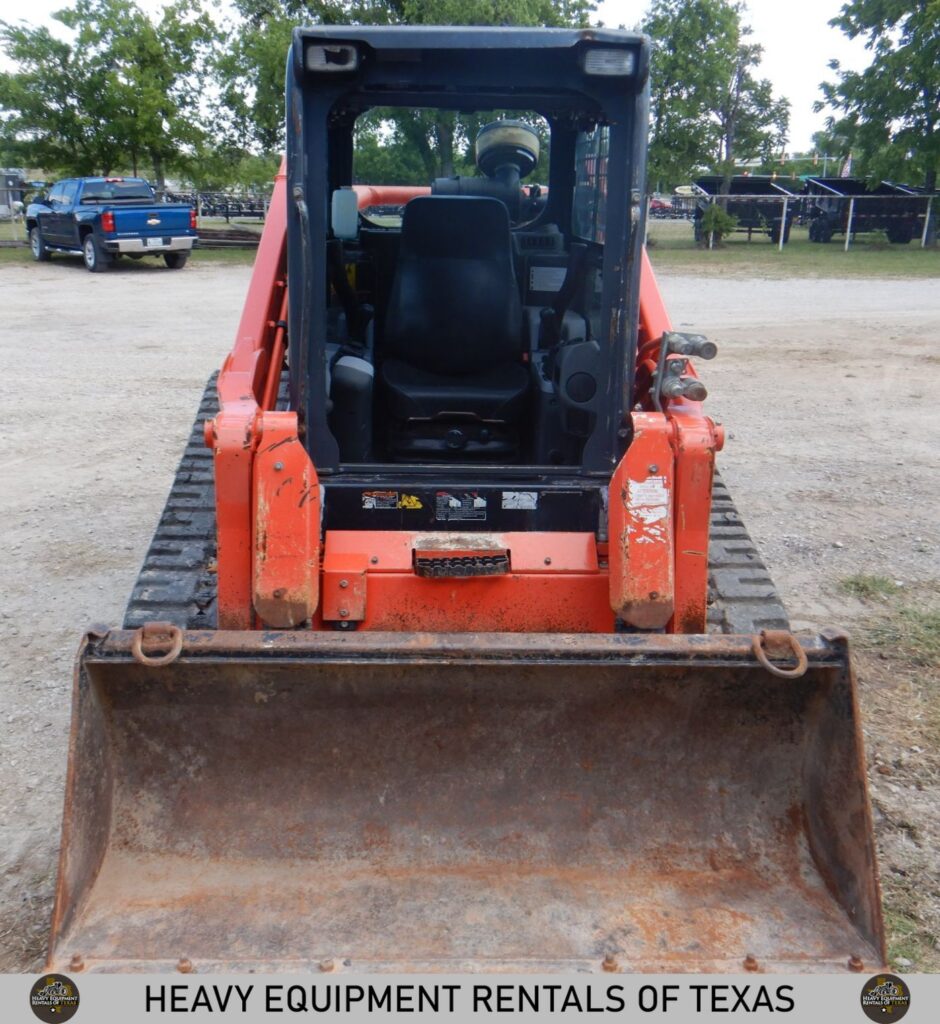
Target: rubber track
177,582
742,597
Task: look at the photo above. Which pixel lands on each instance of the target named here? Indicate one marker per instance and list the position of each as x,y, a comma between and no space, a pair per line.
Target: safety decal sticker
379,499
648,505
457,506
521,499
411,501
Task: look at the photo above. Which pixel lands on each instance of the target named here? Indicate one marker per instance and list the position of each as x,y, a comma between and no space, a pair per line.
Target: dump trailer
450,651
841,205
757,201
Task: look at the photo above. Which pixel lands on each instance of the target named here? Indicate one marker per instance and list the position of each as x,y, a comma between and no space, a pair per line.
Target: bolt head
77,963
278,466
548,561
344,612
344,584
610,963
653,468
326,966
185,965
374,559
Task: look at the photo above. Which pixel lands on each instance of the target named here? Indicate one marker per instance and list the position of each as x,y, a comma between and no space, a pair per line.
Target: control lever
553,316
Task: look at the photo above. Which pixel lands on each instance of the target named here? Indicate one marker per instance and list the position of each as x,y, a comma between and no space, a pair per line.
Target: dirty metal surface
464,803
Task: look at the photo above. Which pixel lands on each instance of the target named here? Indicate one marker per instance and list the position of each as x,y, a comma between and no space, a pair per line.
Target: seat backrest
454,306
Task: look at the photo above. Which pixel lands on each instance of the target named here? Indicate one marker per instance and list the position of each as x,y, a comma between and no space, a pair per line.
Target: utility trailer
898,210
451,652
753,200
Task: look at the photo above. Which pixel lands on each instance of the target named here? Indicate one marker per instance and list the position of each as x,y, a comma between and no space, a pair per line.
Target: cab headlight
611,63
332,57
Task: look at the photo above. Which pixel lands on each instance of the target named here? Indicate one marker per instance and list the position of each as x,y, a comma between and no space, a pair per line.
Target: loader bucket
273,801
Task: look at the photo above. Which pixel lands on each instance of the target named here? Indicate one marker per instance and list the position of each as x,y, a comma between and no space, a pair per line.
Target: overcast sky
798,44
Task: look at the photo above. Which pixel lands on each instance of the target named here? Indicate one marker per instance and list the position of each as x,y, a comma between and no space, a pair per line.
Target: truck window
57,192
69,191
117,191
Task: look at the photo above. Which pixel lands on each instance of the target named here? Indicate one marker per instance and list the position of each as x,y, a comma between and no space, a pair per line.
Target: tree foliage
252,73
708,109
751,121
123,91
891,110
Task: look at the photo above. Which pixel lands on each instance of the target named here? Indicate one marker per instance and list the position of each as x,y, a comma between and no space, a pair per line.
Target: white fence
903,217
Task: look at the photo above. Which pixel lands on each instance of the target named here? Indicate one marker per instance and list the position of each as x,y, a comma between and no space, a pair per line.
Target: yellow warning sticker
410,501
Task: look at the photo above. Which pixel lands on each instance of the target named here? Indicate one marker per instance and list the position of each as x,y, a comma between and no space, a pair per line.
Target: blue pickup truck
104,218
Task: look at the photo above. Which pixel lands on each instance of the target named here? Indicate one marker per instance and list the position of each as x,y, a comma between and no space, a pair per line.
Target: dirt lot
832,454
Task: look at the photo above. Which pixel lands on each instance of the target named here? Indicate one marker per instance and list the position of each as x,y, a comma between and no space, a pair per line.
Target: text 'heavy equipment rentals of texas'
450,652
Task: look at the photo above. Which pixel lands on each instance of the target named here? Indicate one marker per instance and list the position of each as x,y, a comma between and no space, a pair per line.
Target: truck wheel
175,260
900,234
95,260
38,247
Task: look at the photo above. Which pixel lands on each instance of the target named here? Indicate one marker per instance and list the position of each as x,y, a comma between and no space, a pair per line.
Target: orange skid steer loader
450,651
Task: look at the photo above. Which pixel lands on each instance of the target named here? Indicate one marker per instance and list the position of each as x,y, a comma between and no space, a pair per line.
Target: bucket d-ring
778,638
157,634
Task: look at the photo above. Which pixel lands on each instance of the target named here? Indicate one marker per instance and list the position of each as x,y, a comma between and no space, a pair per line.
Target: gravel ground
832,455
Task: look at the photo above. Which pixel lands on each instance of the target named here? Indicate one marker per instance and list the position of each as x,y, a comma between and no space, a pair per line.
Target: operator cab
478,318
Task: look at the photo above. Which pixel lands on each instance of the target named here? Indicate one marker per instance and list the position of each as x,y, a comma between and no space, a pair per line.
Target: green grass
238,257
219,223
905,640
903,631
914,631
868,587
907,936
673,248
10,231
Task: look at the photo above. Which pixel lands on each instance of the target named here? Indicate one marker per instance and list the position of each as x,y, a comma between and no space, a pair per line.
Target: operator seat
453,378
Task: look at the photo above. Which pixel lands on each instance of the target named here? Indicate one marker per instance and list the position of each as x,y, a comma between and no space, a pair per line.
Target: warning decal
648,505
379,499
521,499
456,506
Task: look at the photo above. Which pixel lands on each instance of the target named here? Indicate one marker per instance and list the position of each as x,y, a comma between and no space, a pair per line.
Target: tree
51,106
252,69
707,108
215,168
123,91
751,122
892,108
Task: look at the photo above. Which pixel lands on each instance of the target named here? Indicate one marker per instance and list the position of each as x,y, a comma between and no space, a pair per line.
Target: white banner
247,999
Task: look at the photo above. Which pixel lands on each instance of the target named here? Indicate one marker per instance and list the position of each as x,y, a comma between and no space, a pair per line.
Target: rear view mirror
344,214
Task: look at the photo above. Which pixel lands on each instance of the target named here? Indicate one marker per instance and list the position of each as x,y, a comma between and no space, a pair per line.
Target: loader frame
640,565
269,550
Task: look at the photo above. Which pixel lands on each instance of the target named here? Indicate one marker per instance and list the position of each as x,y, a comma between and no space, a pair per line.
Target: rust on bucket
458,802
